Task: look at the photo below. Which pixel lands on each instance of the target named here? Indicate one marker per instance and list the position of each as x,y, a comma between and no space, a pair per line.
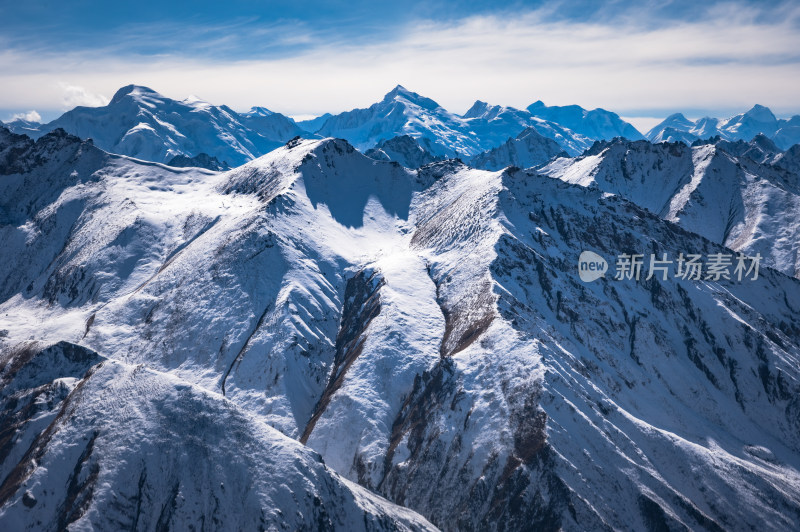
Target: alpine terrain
144,124
758,120
314,338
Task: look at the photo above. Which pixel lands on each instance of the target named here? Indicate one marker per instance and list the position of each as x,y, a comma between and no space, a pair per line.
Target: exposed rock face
201,160
21,155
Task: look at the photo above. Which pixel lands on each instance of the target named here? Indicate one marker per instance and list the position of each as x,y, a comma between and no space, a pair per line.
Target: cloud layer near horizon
725,62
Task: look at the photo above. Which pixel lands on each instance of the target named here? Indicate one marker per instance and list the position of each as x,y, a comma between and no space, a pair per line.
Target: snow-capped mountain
597,124
678,128
673,134
403,112
271,125
141,123
495,124
526,150
745,126
405,150
426,332
93,443
719,191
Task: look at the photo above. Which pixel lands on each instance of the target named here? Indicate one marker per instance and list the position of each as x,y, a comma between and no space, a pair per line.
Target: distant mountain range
403,112
141,123
597,124
758,120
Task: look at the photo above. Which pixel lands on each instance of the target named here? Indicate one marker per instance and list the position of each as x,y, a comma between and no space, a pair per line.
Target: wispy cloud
30,116
73,95
735,55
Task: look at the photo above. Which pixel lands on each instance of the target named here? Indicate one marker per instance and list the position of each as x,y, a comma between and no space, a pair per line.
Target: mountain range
758,120
377,320
320,340
144,124
745,196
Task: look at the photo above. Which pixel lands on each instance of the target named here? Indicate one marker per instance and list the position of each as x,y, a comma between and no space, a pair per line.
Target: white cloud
728,62
30,116
74,95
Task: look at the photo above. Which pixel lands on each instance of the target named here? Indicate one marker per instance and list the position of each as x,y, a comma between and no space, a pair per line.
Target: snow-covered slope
597,124
92,443
526,150
565,405
142,123
729,199
405,150
426,332
745,126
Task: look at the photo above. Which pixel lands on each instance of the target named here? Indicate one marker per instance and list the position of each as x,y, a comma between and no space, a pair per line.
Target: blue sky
639,58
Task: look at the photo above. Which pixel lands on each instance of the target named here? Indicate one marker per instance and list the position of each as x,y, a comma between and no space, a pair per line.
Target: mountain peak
259,111
400,92
398,89
478,109
676,116
134,91
529,132
761,113
765,143
192,99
